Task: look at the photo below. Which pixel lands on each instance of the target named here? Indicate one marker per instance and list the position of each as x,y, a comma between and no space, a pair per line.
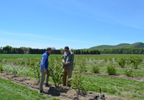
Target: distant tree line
24,50
122,51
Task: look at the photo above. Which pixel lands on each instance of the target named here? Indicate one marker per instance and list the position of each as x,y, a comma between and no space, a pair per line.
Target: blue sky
74,23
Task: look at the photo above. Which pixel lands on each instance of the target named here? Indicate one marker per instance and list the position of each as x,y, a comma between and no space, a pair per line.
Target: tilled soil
63,93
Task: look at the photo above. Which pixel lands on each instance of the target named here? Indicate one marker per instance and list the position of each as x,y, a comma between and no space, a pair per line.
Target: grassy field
55,55
12,91
125,88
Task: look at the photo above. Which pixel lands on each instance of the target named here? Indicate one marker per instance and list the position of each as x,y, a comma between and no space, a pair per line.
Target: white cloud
42,37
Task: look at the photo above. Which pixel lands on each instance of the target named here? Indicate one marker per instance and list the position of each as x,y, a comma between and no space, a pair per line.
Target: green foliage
4,60
36,70
128,72
56,71
95,69
1,68
111,70
82,64
122,62
110,59
25,72
77,82
13,91
101,62
14,70
1,59
6,69
120,46
135,61
105,59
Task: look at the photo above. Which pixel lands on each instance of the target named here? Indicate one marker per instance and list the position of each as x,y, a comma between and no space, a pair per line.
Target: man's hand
45,71
64,63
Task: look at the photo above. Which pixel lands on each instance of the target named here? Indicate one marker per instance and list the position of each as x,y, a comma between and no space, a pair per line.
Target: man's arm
63,59
43,62
71,60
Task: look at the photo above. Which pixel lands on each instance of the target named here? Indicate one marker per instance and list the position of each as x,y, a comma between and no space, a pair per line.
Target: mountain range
122,45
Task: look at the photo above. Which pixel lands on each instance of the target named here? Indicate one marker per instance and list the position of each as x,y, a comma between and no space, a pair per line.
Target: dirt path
63,93
141,79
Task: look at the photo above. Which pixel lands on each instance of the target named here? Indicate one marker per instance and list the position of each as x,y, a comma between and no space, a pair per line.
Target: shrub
111,70
110,59
135,61
1,59
7,69
128,72
78,84
36,70
56,71
105,59
1,68
122,62
4,60
25,72
82,64
95,69
14,70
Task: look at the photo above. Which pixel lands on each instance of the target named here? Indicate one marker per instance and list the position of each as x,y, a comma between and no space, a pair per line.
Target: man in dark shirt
68,59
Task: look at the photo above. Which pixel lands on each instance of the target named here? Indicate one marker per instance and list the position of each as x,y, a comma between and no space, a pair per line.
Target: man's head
67,49
49,50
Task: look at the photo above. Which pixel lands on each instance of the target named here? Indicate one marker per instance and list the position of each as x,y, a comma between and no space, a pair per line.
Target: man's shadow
56,91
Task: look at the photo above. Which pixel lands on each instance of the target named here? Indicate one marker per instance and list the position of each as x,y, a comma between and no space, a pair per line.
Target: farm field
120,85
12,91
58,55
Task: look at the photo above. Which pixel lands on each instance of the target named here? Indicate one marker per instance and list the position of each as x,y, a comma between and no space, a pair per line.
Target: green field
54,55
125,88
12,91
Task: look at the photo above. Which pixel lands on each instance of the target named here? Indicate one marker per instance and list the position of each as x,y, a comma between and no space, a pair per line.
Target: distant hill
123,45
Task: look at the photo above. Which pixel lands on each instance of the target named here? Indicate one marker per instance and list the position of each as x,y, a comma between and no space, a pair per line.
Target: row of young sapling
132,61
55,71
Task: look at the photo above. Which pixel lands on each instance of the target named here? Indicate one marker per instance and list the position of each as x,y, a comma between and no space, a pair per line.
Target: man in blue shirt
44,68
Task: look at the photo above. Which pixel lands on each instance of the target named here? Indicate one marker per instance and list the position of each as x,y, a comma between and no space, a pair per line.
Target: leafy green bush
1,68
128,72
111,70
135,61
4,60
105,59
110,59
14,70
82,64
78,84
6,69
36,70
122,62
56,71
1,59
95,69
